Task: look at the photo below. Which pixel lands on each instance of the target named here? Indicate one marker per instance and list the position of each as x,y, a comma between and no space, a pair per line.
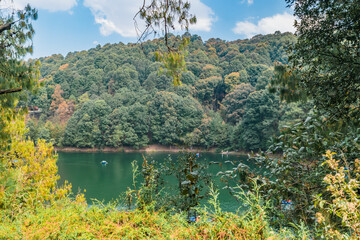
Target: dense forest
116,95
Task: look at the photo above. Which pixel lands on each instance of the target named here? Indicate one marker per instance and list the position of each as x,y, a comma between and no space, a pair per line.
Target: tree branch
6,26
10,90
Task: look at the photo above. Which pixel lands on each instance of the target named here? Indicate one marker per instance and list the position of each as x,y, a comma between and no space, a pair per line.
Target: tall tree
16,32
326,56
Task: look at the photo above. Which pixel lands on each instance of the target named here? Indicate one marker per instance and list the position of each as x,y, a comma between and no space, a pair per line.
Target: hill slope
115,96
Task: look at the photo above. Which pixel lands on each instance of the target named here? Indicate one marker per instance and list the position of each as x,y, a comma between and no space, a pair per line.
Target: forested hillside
115,95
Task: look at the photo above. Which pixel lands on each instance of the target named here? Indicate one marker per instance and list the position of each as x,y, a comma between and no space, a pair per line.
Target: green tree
83,99
124,76
180,115
42,100
206,90
218,133
122,82
44,133
115,138
260,121
88,125
32,132
192,181
325,58
188,78
255,71
16,32
234,103
160,82
323,67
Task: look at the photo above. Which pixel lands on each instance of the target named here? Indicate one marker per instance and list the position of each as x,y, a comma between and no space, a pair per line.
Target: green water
84,171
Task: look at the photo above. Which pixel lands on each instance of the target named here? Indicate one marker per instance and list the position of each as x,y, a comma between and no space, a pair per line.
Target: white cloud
50,5
116,16
248,1
204,15
279,22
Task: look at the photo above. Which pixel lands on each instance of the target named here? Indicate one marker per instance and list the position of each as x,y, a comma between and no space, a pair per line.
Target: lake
84,171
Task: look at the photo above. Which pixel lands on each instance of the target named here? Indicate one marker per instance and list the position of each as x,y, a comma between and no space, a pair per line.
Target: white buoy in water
104,163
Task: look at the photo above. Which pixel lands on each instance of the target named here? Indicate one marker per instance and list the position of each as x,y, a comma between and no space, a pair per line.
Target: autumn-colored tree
65,110
232,80
60,108
57,99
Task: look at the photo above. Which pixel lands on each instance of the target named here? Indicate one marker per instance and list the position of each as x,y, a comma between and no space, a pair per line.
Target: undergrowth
32,206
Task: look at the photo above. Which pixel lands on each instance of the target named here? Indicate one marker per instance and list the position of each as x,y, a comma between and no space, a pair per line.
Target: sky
73,25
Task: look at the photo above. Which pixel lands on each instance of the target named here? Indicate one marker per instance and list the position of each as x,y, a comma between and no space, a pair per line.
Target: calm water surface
84,171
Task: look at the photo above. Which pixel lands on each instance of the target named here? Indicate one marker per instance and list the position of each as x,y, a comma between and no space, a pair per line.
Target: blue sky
73,25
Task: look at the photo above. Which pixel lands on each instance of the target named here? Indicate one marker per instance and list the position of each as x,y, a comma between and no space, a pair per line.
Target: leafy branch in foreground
327,53
16,32
174,61
165,16
339,216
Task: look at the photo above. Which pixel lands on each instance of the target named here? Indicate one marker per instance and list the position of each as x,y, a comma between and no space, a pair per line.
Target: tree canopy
141,101
324,62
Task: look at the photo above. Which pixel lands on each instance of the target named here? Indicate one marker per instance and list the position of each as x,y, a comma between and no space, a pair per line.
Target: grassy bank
71,218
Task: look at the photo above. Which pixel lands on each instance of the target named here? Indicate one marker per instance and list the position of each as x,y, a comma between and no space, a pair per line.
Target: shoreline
148,149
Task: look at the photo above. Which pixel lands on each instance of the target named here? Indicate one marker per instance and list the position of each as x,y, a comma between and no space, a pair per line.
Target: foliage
15,75
141,102
174,61
155,193
164,15
87,127
323,68
28,173
260,120
192,181
72,219
343,206
287,82
298,174
15,32
326,54
32,206
234,103
149,195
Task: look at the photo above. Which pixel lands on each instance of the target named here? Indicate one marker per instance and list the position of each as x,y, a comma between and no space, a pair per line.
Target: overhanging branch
6,26
10,90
